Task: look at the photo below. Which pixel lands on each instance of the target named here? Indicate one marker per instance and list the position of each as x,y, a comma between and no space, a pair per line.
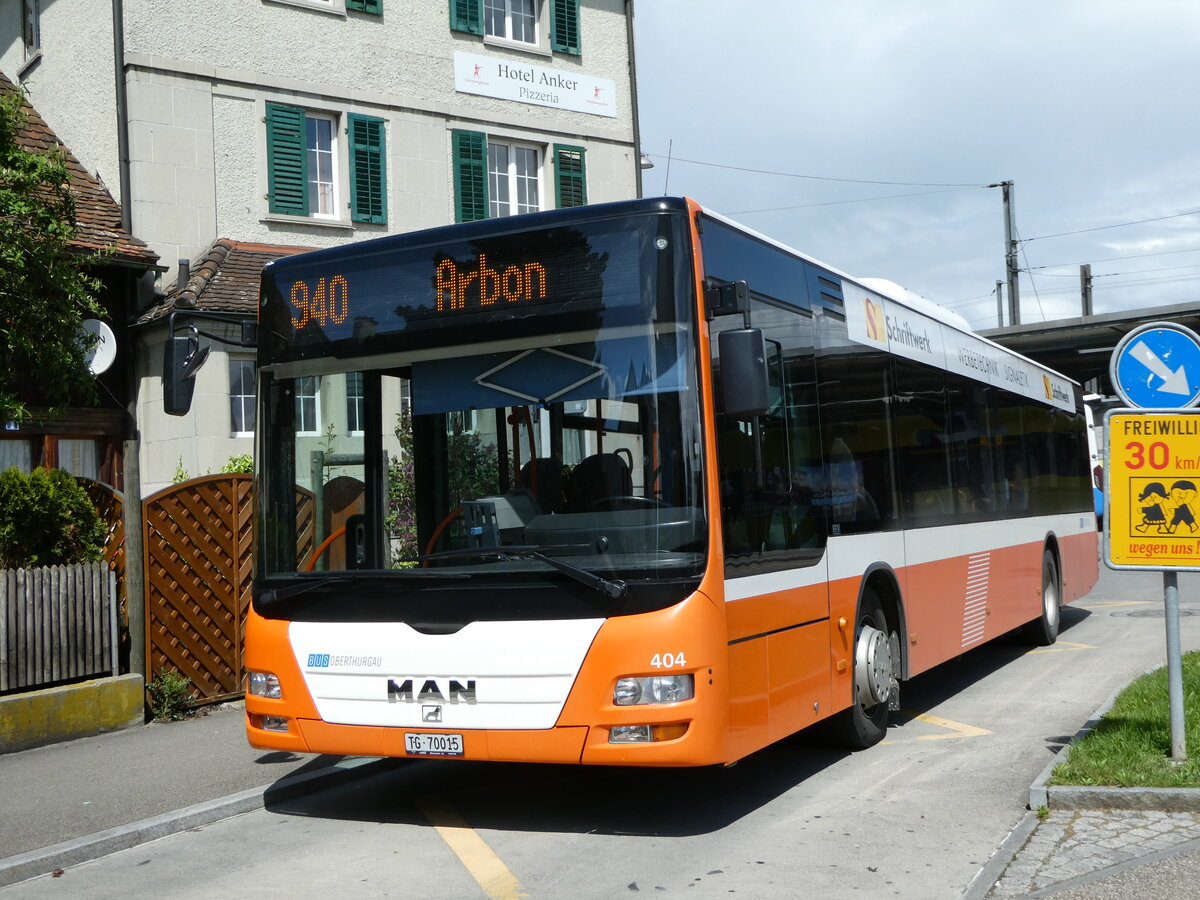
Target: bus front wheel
865,722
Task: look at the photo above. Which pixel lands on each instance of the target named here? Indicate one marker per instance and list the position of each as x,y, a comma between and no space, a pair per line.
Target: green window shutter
368,169
570,181
470,175
375,7
564,24
466,15
287,161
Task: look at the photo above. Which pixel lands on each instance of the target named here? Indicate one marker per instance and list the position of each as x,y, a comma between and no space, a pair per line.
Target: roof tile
98,216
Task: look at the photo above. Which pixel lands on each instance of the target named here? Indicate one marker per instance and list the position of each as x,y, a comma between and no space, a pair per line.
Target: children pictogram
1163,510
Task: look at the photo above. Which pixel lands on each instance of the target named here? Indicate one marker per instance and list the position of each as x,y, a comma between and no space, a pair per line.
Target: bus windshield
516,408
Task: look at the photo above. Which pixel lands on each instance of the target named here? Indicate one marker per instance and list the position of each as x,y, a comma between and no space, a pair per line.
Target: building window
307,391
513,179
31,26
241,396
320,146
306,174
515,20
520,22
354,402
493,177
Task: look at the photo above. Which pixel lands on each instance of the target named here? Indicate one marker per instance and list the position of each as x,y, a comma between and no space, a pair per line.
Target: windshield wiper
613,588
311,582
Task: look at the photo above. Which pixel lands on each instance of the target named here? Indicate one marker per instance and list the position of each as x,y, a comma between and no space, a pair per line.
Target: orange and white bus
631,484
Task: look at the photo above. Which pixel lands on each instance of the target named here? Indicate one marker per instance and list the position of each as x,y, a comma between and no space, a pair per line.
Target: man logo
876,324
431,691
431,714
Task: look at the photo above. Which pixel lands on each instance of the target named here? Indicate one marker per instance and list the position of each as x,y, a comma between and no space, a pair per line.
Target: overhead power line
1115,258
1042,237
747,212
697,162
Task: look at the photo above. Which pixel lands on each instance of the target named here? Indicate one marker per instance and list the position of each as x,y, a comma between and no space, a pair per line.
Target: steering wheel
615,503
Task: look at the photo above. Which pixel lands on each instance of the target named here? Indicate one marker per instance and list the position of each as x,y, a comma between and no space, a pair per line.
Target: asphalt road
914,817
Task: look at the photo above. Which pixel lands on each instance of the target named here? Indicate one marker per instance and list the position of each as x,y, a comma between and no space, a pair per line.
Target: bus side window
769,466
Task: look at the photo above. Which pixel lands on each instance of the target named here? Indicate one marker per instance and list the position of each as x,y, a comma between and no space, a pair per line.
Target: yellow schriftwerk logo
876,326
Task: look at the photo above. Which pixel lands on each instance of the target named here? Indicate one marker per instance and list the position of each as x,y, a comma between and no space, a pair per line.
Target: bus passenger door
773,529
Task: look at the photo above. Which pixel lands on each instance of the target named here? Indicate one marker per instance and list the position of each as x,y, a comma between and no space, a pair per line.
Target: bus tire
865,722
1043,631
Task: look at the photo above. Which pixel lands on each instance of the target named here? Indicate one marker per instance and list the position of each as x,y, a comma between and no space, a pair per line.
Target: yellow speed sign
1152,504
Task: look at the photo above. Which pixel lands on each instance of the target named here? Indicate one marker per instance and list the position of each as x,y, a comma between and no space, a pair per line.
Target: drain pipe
135,586
122,103
633,99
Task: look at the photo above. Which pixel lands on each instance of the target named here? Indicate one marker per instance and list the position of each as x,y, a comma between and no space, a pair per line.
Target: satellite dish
104,353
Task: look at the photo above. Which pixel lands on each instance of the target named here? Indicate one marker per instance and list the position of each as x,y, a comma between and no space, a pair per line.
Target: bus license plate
419,743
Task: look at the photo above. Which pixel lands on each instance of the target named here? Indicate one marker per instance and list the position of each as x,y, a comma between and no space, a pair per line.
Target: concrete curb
986,878
1060,796
71,711
24,866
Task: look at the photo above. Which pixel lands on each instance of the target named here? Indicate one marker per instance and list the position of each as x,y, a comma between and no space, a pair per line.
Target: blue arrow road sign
1157,366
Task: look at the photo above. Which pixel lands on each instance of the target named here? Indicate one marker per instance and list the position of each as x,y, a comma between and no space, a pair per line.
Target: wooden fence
198,549
57,624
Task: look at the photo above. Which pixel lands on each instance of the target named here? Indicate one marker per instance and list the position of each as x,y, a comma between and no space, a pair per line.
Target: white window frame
335,7
336,154
356,402
31,34
541,28
511,178
246,401
302,398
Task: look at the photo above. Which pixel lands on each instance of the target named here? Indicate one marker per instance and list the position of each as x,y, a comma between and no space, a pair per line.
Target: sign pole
1174,667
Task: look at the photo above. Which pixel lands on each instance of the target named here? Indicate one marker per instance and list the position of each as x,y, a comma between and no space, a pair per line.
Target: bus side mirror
745,391
182,359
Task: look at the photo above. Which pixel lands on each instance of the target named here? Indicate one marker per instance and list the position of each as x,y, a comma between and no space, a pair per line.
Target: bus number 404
667,660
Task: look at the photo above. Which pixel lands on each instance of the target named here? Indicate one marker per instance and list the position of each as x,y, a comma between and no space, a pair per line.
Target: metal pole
1085,288
999,304
1174,666
1010,257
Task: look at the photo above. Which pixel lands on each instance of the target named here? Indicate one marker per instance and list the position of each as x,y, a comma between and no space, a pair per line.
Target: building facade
284,124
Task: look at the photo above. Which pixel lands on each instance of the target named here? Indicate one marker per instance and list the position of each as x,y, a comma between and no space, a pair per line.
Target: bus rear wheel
1043,631
865,722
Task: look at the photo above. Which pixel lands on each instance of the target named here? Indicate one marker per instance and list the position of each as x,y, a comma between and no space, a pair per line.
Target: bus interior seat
543,478
599,476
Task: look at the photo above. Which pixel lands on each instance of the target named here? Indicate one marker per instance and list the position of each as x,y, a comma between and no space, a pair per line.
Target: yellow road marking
1064,647
956,729
472,851
1109,604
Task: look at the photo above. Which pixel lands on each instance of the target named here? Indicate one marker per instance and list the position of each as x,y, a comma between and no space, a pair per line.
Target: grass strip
1131,745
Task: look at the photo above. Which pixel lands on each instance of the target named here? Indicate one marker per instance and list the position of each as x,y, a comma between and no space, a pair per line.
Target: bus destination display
489,281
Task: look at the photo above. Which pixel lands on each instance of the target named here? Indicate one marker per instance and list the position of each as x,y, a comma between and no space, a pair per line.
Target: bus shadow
617,800
568,799
930,689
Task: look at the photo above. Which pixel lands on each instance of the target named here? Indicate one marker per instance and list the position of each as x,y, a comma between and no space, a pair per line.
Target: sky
865,132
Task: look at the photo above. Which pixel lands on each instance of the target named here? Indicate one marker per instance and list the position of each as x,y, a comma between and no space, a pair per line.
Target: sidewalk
1098,843
70,802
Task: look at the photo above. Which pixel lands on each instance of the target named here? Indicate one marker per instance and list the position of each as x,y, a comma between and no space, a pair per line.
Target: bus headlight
264,684
654,689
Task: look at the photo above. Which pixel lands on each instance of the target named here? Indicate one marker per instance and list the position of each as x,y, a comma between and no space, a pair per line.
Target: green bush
170,695
46,519
243,464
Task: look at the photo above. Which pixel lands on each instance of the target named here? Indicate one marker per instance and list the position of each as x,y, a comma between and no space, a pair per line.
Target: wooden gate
196,538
